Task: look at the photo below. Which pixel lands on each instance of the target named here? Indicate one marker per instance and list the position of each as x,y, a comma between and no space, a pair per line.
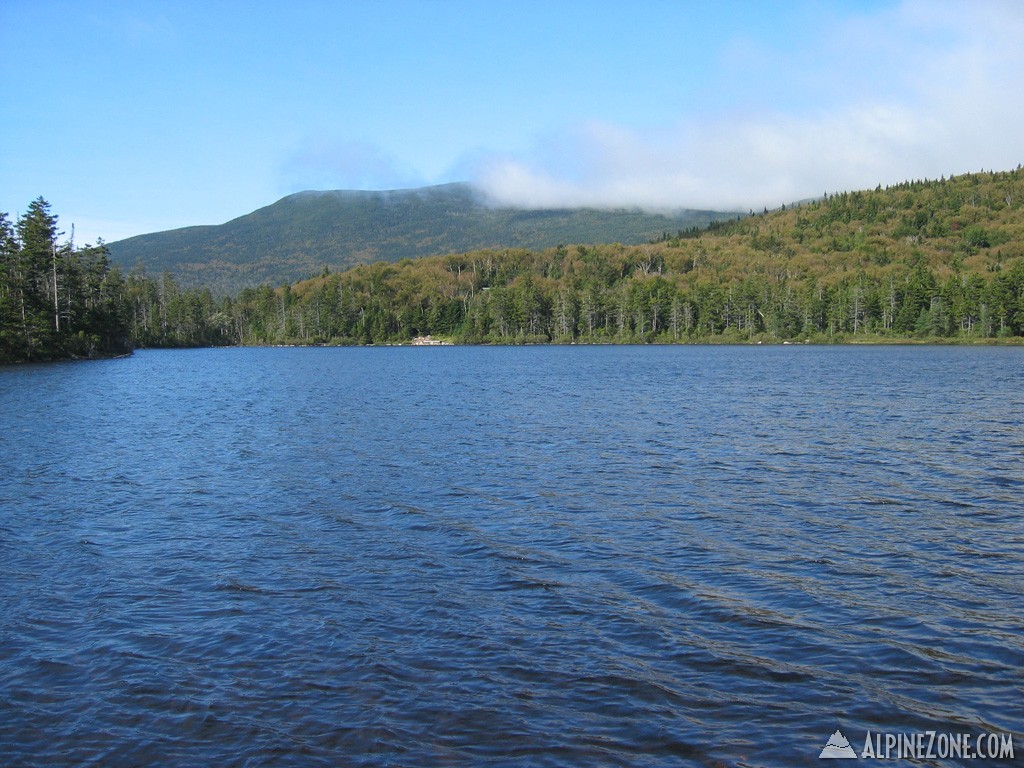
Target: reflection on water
539,556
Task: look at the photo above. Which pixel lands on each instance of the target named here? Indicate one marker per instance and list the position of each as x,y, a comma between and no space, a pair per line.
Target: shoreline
1015,341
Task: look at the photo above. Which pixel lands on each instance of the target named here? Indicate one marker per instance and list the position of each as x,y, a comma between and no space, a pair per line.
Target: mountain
922,260
302,233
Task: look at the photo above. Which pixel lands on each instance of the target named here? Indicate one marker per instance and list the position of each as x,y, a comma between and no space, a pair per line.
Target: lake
539,556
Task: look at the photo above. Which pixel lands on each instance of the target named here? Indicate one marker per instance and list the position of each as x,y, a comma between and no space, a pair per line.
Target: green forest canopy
56,300
937,260
930,259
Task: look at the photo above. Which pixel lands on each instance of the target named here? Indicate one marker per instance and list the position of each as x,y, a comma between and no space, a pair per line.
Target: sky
146,115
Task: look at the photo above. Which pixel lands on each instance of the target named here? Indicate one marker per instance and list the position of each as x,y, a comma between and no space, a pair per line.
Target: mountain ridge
304,232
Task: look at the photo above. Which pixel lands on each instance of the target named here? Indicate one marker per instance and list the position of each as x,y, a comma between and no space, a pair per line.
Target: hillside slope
940,260
301,234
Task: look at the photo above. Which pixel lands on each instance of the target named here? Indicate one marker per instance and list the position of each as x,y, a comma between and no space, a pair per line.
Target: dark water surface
617,556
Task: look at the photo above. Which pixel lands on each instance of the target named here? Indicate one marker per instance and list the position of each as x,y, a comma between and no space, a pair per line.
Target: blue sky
133,117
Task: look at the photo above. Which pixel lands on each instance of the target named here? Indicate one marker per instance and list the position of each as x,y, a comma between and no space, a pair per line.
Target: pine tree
36,272
10,294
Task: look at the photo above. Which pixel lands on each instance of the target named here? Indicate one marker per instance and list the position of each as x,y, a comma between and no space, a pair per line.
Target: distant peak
452,186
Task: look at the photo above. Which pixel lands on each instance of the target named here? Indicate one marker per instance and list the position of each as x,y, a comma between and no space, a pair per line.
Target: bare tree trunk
56,294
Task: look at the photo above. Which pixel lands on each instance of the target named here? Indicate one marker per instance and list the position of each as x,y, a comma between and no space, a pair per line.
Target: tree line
939,260
608,294
56,300
59,300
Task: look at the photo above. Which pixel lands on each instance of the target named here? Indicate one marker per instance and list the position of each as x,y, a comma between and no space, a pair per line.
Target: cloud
325,162
920,90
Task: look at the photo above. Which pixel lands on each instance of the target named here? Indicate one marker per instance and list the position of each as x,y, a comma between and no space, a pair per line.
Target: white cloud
922,90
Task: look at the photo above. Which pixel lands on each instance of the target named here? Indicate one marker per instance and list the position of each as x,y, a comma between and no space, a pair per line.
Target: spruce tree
10,293
36,267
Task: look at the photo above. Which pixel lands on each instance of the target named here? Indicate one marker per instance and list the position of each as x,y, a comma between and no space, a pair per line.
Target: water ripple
607,557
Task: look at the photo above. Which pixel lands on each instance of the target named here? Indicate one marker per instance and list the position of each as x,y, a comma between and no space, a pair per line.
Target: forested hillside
925,260
299,235
922,260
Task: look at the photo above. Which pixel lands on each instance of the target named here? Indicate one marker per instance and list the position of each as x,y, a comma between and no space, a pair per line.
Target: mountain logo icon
838,747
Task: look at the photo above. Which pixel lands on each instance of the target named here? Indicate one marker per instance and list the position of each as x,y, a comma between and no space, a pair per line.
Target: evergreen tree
55,300
35,274
11,338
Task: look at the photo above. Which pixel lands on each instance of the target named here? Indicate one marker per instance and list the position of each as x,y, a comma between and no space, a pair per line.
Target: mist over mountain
302,233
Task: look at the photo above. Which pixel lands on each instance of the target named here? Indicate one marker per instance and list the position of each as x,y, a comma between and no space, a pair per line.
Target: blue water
587,556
